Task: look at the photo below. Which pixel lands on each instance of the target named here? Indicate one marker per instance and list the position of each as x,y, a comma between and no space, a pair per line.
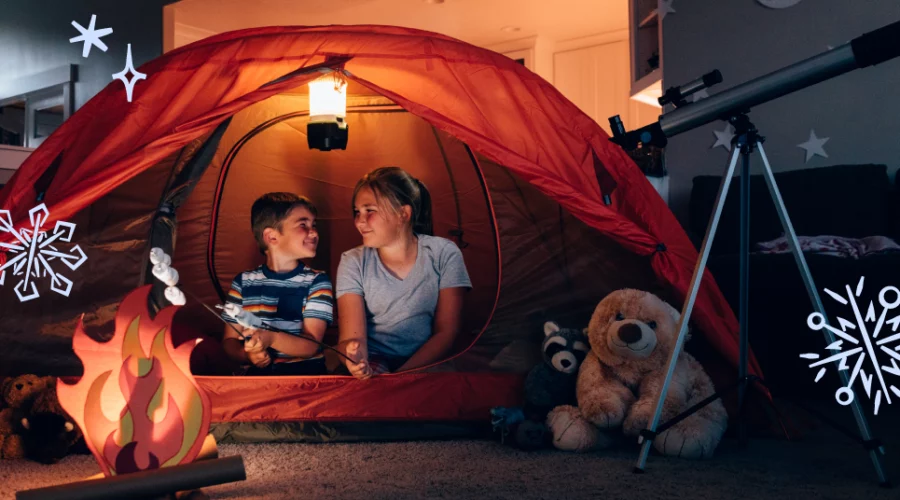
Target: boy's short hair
270,210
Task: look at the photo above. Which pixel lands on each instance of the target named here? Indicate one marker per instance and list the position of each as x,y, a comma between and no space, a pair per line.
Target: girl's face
378,224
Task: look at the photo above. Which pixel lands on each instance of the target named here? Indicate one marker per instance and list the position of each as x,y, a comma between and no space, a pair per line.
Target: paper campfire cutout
137,403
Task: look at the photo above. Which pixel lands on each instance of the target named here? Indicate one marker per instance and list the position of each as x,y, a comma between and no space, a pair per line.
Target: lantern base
326,136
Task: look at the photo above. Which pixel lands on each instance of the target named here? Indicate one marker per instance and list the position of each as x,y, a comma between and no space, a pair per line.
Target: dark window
12,124
36,105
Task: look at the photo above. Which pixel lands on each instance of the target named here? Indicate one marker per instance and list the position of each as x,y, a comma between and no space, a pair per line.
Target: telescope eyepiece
677,95
712,78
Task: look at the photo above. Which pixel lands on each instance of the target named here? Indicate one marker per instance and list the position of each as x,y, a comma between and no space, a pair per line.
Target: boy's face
298,237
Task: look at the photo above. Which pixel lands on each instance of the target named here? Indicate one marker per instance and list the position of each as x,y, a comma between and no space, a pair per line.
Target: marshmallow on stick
175,296
157,255
169,275
166,274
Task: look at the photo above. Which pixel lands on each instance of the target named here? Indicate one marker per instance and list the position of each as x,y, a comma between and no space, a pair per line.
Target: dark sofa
847,200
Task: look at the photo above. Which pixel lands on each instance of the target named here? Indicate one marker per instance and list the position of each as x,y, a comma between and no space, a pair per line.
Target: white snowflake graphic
31,253
866,350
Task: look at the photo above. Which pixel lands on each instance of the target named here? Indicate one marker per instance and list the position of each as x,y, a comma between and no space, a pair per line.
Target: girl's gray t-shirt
400,313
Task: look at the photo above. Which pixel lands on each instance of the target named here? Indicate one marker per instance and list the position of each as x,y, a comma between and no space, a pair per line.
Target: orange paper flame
137,402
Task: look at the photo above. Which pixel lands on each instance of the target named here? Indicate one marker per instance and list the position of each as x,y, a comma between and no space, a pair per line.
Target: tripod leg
791,236
689,305
744,300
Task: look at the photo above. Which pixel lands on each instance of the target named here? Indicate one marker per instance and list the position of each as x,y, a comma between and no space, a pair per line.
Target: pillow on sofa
842,200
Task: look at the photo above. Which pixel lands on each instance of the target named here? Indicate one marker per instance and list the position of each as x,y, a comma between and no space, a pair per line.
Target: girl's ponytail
422,223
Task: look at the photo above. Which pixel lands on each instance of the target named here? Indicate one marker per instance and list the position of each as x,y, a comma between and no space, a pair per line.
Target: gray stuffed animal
552,383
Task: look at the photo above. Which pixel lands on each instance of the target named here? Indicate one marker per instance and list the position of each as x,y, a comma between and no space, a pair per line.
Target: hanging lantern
327,127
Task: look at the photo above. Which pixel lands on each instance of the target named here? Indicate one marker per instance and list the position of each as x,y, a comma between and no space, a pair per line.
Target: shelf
646,54
644,83
16,148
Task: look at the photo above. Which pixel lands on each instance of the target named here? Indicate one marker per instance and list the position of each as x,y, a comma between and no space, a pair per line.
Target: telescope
866,50
734,105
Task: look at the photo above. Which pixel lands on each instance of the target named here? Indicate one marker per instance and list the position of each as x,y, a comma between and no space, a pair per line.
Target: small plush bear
18,394
48,432
552,383
549,384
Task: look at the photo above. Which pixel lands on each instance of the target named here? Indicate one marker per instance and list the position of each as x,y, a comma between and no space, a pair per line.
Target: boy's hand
253,346
259,359
257,340
265,338
359,368
251,341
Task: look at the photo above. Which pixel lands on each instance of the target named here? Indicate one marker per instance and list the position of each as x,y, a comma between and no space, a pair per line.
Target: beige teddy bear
632,335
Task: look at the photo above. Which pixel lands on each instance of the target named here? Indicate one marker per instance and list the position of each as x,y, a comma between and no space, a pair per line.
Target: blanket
838,246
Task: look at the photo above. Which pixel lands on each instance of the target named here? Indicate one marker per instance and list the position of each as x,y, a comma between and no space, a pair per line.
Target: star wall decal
90,37
664,7
724,137
129,67
814,146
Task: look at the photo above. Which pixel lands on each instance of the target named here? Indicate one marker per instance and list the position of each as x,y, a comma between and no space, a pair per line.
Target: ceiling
479,22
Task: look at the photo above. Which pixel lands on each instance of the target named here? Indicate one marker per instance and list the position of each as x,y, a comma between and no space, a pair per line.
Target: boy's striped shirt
283,299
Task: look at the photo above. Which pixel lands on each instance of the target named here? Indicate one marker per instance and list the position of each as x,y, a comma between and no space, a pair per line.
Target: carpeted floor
824,464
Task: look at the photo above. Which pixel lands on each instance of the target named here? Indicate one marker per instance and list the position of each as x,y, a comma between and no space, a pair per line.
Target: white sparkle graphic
859,348
32,253
129,67
90,37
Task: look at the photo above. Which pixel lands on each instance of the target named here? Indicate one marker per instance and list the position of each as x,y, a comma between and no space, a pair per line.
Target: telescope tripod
745,141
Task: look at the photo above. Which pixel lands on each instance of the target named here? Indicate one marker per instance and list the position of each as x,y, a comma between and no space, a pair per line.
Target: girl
400,294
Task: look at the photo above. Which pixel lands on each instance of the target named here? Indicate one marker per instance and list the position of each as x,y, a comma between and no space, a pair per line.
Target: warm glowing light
328,100
650,95
137,403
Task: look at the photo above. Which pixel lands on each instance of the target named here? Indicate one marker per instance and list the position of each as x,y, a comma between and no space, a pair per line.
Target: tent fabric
527,140
279,149
426,396
541,247
337,432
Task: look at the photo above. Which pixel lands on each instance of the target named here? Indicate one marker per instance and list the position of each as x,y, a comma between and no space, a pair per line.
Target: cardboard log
209,450
147,484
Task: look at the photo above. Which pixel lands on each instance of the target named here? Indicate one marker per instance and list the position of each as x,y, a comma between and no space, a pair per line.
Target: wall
536,50
857,111
11,157
34,37
594,73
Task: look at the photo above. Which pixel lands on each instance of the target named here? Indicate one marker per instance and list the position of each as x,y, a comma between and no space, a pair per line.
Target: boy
283,292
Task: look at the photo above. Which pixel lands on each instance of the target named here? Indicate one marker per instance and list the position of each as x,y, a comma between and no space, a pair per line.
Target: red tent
220,121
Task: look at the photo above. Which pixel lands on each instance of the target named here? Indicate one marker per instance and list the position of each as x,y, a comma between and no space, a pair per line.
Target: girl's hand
359,368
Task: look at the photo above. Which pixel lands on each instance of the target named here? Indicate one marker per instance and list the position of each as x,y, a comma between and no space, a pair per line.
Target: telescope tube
866,50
